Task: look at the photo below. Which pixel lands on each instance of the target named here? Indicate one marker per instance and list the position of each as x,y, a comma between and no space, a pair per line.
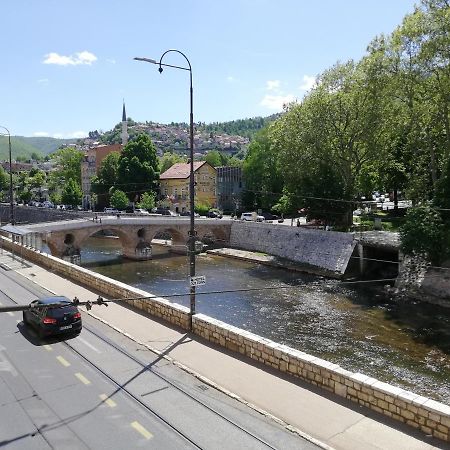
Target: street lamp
11,199
192,233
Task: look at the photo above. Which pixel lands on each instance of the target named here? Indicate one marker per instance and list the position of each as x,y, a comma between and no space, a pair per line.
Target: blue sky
67,64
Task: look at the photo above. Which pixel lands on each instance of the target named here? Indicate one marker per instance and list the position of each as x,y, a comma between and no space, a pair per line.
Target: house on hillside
174,186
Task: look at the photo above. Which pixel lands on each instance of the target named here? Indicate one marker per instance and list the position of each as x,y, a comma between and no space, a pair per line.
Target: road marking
47,347
64,362
139,428
108,401
89,345
82,378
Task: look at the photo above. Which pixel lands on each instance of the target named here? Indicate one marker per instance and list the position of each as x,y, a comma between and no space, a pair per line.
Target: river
406,344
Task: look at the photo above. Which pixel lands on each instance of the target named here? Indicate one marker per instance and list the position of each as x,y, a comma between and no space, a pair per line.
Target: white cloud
276,102
308,83
273,85
43,81
78,134
111,61
231,79
76,59
73,134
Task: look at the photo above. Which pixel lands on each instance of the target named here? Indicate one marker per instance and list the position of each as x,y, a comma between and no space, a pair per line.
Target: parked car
214,214
248,217
111,211
53,320
260,218
141,212
269,216
164,212
188,214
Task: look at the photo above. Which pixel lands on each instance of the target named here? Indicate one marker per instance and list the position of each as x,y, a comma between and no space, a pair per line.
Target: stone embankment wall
32,214
418,280
429,416
326,252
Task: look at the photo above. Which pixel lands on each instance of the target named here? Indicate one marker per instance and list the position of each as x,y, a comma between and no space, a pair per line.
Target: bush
424,232
201,208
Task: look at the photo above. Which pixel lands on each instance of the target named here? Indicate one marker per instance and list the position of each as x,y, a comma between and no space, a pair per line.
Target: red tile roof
180,170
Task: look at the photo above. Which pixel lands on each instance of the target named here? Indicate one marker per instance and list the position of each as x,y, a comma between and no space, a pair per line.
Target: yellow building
174,186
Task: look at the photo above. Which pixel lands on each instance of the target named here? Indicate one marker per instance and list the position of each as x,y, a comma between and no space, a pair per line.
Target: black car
53,320
269,216
214,214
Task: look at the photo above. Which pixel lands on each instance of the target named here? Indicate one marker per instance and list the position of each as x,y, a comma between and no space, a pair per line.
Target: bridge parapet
66,238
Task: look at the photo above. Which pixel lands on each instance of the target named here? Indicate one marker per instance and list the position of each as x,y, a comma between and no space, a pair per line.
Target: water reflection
406,344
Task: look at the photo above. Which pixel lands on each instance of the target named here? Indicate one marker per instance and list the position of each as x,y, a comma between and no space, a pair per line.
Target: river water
350,324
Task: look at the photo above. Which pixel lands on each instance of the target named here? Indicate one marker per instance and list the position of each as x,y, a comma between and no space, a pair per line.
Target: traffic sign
199,280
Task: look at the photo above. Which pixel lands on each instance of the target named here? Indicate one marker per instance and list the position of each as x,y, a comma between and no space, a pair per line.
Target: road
103,390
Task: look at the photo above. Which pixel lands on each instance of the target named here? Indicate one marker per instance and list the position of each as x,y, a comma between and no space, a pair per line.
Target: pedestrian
298,222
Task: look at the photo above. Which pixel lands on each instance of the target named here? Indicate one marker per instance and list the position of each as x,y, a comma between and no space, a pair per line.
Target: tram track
144,367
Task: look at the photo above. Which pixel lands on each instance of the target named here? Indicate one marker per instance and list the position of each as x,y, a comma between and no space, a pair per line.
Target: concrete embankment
429,416
317,251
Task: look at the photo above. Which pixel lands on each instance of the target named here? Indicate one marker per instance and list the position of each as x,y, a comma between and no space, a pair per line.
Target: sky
67,65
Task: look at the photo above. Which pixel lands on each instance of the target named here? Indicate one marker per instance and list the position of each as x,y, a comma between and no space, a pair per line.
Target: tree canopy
138,169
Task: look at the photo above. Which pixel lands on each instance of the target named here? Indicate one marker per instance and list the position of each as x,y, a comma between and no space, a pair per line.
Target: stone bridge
66,238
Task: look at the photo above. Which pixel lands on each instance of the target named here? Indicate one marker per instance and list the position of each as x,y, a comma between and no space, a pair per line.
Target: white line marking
139,428
89,345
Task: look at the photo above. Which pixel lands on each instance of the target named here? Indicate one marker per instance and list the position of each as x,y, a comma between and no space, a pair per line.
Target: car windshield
61,311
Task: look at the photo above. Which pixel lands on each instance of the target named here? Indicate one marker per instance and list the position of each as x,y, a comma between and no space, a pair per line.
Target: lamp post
192,233
11,199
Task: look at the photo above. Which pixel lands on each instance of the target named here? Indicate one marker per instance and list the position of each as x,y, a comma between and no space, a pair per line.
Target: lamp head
160,69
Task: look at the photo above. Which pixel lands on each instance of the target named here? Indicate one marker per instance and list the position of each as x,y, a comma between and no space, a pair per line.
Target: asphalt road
103,390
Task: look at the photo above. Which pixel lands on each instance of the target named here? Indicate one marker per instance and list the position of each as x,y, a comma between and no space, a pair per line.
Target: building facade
229,188
174,186
92,161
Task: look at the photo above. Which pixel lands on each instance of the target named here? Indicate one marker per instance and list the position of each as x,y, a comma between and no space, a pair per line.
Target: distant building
17,167
174,186
229,188
92,161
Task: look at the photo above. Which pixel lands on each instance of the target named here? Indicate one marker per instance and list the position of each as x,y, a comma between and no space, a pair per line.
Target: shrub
424,232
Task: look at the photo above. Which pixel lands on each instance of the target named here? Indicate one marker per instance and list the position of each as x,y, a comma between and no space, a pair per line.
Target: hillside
229,137
19,147
25,146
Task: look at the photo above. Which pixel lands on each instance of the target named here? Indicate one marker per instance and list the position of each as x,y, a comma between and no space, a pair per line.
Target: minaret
124,126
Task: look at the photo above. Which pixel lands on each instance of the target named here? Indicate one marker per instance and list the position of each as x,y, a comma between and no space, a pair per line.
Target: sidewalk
313,413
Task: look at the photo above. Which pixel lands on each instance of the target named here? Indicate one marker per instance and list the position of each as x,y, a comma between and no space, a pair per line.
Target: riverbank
271,261
396,403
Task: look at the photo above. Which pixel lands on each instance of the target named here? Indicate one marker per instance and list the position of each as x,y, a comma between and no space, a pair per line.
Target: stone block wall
31,214
419,412
159,307
429,416
327,251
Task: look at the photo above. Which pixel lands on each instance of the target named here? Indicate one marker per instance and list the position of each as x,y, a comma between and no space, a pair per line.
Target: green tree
4,182
147,201
168,159
424,232
138,167
262,173
119,199
68,165
216,159
71,193
328,139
